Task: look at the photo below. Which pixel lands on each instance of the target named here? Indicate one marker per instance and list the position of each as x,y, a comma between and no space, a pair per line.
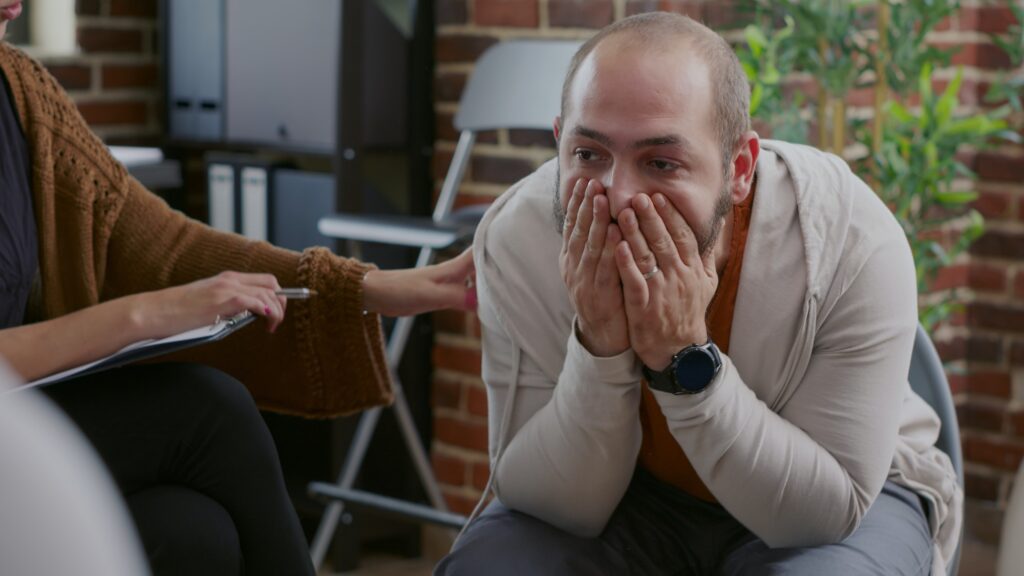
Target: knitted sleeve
327,357
103,235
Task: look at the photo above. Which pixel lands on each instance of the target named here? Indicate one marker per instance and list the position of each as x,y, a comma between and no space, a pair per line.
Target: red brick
532,138
993,204
481,473
977,417
444,127
476,400
992,57
981,487
963,54
999,244
460,433
726,14
992,383
997,167
988,19
957,384
447,394
129,76
441,161
449,470
861,97
464,200
487,137
513,13
996,316
107,113
451,322
451,12
579,13
944,24
460,504
72,76
465,360
462,48
691,8
134,8
1017,353
499,170
1017,422
999,453
954,276
109,40
973,348
987,278
87,7
448,86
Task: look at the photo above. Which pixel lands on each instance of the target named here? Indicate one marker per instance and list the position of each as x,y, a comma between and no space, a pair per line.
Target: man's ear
744,166
557,128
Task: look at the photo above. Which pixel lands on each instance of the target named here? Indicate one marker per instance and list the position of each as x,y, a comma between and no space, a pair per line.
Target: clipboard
145,349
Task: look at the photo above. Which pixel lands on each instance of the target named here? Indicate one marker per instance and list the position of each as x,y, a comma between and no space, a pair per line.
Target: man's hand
589,270
666,310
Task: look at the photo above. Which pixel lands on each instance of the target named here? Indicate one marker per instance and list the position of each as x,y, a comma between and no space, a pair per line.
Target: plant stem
823,100
881,84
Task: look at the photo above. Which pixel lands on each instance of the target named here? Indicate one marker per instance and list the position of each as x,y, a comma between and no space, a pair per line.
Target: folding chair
928,380
515,84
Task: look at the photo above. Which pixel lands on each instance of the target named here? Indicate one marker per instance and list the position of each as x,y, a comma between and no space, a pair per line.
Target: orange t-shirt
659,453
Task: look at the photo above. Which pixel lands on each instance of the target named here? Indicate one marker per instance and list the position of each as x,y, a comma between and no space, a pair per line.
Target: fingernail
659,200
644,203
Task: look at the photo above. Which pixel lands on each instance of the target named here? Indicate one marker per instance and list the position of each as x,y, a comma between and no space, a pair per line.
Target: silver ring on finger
650,274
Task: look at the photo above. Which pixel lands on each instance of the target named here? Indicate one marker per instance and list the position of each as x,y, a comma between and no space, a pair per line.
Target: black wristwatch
691,370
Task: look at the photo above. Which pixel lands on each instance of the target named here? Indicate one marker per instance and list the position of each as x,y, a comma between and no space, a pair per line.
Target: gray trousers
658,529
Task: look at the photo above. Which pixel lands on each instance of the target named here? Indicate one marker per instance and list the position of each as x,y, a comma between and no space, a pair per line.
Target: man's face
640,121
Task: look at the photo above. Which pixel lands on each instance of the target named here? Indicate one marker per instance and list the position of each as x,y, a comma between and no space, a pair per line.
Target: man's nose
621,186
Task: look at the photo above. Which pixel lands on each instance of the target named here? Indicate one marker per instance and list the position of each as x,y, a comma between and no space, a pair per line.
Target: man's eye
663,165
585,155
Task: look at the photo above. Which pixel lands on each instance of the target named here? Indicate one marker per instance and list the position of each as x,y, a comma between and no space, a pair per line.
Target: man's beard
705,238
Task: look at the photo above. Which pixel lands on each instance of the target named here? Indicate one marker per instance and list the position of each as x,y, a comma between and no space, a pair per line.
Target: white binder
221,196
254,202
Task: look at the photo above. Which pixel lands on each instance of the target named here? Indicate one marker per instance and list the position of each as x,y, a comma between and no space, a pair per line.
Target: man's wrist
593,346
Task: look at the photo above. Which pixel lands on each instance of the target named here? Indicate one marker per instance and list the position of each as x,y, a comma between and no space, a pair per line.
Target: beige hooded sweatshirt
811,412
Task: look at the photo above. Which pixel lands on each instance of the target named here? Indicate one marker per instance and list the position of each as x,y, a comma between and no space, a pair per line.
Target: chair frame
488,103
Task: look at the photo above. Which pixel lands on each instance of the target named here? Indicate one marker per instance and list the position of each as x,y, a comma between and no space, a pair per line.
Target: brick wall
115,77
983,346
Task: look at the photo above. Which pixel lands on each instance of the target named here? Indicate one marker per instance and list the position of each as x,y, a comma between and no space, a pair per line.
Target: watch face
695,370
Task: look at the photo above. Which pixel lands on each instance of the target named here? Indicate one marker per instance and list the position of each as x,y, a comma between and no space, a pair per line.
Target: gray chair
928,379
515,84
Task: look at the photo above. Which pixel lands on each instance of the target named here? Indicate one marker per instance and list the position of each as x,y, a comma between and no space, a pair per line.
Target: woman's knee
185,532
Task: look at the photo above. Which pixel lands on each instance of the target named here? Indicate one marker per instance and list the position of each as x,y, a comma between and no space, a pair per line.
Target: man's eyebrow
592,134
667,140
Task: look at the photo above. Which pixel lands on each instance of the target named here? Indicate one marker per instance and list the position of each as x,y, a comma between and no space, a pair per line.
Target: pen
296,293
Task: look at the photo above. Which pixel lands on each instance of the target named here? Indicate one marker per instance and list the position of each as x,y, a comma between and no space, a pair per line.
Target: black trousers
197,467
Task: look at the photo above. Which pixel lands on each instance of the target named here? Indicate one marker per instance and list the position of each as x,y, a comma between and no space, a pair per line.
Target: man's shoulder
516,251
523,218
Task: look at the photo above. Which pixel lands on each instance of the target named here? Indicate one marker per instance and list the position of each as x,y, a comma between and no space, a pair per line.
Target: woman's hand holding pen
180,308
450,284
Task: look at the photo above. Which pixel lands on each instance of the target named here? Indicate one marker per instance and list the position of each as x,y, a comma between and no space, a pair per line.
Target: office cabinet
282,72
195,62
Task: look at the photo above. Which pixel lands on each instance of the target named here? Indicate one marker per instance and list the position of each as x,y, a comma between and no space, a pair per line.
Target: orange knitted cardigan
103,235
